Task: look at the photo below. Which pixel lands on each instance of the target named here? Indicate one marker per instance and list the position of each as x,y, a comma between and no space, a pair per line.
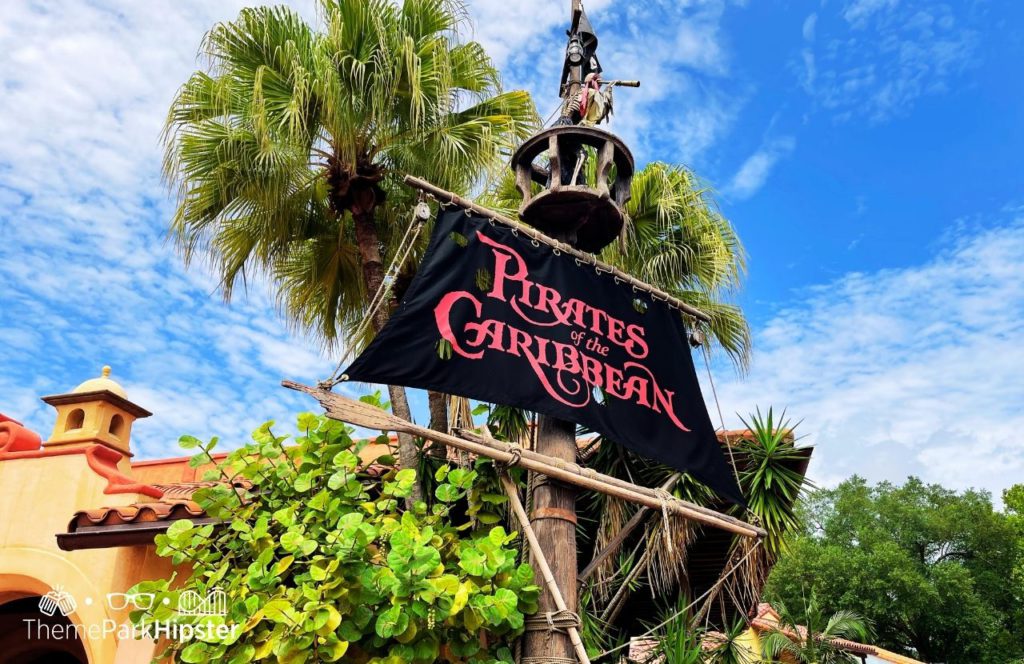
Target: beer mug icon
56,600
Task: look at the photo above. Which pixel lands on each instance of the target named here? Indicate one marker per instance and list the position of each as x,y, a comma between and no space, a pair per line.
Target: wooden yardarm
361,414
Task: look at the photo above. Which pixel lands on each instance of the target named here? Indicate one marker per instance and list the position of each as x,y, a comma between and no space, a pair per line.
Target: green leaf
388,622
195,653
346,459
179,528
303,483
246,652
447,493
280,611
291,541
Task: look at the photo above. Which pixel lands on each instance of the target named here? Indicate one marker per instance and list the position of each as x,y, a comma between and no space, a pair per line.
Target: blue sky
868,152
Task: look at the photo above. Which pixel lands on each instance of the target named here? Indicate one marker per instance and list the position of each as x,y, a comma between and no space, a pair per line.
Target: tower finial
106,371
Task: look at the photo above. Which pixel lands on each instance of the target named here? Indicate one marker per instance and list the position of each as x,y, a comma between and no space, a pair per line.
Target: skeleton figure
593,105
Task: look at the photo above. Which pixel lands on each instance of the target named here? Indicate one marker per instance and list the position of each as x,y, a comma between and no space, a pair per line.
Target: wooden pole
554,521
542,563
660,494
365,415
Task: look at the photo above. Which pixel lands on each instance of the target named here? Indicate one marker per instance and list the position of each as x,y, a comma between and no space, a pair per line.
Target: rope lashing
666,497
547,659
553,621
517,455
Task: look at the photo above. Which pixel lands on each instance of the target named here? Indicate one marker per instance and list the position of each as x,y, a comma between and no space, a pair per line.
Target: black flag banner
494,316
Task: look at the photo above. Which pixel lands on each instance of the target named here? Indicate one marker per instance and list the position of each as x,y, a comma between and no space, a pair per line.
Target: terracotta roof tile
176,504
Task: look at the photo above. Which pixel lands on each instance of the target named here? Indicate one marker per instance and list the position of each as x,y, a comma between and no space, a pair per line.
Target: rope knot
665,497
553,621
517,455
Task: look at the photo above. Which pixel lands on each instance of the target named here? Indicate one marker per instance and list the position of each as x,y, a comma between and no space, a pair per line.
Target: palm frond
261,146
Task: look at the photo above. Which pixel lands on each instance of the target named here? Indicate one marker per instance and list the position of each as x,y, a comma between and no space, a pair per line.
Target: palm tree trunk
438,404
373,273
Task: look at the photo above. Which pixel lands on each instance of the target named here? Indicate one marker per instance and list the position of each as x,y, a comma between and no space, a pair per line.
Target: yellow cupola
97,411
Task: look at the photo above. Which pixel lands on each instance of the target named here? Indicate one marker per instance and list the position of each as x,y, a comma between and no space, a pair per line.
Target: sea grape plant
320,560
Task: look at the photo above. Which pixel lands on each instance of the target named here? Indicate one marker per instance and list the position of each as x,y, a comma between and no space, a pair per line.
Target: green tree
318,560
1013,499
931,568
812,638
286,153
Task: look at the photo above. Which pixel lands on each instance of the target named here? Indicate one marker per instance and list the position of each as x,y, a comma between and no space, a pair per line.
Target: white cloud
858,11
809,25
905,371
754,172
676,49
886,56
86,87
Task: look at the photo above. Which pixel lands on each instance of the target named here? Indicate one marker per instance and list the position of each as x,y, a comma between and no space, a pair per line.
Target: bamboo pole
361,414
542,562
454,199
659,493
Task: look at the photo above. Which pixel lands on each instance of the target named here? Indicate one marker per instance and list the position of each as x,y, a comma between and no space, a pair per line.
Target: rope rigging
420,215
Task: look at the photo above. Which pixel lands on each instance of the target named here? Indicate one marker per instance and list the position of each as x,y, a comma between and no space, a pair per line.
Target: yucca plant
768,475
728,647
771,482
814,642
287,151
679,640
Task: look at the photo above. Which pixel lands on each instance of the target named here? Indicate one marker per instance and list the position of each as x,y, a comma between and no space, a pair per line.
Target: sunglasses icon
119,601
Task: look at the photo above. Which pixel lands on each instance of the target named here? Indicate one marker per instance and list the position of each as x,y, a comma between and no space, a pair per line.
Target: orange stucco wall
38,496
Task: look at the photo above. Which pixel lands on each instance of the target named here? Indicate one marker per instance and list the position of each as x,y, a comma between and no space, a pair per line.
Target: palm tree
676,239
286,153
814,642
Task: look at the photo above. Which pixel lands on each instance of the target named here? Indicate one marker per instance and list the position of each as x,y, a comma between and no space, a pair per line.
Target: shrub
319,560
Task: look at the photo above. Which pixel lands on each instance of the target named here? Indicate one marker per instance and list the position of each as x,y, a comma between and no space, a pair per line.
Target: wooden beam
366,415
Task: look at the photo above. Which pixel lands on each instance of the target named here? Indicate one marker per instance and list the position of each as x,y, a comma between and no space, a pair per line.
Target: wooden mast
554,505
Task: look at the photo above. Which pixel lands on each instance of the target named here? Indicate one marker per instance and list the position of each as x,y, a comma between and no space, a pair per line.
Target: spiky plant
287,151
772,483
814,641
728,647
679,641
